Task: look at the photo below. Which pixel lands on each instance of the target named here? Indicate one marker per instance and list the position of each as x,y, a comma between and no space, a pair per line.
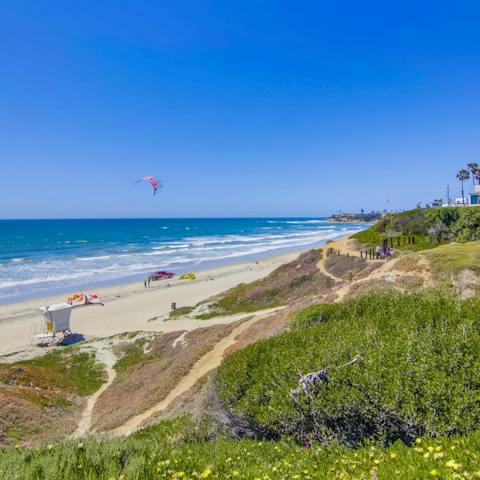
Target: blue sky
242,108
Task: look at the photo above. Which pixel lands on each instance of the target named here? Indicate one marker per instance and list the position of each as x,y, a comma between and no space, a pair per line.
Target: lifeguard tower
55,325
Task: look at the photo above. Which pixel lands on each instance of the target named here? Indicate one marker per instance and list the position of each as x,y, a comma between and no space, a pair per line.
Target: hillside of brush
430,226
418,373
297,279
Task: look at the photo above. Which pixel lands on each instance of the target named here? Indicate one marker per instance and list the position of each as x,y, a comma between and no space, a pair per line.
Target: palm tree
477,175
473,170
463,175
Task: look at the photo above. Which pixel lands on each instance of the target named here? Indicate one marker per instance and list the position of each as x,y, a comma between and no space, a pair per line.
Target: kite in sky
154,182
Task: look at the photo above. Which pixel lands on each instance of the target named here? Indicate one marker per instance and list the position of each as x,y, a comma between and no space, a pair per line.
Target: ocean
40,257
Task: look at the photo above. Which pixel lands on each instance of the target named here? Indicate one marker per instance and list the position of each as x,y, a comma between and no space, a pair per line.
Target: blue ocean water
38,257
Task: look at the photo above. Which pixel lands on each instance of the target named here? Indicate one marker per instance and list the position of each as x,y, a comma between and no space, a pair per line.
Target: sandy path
344,246
105,355
323,269
208,362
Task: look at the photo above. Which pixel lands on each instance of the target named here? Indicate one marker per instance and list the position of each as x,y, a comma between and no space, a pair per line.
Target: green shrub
314,315
467,227
420,371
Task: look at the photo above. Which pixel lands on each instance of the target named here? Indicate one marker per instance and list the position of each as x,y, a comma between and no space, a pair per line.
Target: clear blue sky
241,107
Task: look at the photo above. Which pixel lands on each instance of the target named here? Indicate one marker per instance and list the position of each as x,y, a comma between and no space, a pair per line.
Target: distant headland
355,217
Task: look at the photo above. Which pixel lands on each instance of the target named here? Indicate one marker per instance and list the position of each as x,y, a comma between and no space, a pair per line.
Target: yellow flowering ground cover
179,449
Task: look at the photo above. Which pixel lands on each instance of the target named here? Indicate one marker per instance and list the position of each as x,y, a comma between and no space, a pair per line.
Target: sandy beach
132,307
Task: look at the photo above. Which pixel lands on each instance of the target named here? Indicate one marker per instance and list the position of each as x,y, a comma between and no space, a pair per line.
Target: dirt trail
344,246
386,271
381,272
323,269
389,273
106,356
208,362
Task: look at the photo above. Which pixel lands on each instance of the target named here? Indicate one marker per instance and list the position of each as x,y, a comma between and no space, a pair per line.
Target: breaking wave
123,251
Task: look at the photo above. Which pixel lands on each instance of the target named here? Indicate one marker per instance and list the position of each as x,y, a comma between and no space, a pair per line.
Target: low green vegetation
130,353
180,312
419,371
56,374
454,257
430,226
179,449
40,398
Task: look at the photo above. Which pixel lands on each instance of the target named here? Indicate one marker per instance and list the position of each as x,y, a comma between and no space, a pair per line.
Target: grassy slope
454,257
44,390
293,280
177,449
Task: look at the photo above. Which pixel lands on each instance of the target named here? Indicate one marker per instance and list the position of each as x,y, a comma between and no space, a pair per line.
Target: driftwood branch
312,380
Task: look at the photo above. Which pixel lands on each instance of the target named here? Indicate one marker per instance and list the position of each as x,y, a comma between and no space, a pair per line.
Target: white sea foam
113,262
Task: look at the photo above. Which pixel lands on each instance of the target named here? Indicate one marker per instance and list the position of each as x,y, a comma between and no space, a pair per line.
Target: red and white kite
154,182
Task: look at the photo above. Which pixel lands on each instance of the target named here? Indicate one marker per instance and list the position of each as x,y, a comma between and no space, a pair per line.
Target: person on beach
145,283
148,282
378,251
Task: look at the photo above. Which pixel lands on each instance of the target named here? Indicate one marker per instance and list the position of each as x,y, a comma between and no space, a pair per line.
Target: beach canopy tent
56,318
161,275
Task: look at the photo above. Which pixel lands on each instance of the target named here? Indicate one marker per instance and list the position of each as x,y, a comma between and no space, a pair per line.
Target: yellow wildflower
438,448
418,441
453,464
206,473
433,472
393,455
180,474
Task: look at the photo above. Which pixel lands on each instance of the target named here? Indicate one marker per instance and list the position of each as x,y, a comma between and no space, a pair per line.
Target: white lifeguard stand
55,325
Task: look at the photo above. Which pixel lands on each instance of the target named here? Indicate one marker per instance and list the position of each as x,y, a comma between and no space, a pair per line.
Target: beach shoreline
140,277
49,258
130,307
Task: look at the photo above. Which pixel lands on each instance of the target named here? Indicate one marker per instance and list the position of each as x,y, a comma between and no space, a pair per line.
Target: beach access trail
131,307
208,362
